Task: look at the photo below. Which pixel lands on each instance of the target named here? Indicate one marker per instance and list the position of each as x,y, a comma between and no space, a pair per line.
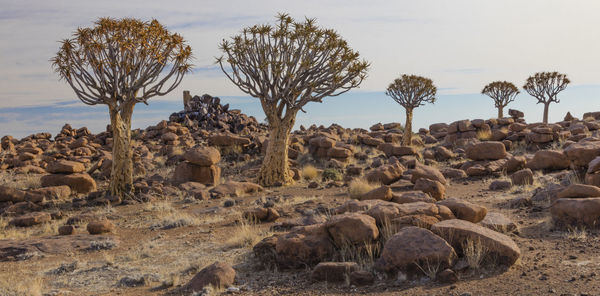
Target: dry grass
20,287
245,234
21,233
575,233
474,252
170,217
484,135
430,269
20,181
309,172
359,187
575,178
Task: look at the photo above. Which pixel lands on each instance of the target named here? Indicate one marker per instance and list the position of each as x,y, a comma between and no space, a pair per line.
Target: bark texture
546,105
407,137
121,177
275,168
500,112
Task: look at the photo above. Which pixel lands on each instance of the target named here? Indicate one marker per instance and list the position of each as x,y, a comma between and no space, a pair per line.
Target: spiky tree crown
122,60
502,92
290,64
544,86
412,91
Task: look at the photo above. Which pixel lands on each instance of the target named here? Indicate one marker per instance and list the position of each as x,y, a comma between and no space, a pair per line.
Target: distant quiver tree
119,63
411,91
502,92
287,66
545,86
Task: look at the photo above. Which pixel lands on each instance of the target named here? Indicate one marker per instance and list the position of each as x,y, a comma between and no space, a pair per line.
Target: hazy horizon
462,45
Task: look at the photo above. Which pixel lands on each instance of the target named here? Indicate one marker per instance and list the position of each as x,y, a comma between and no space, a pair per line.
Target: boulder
63,166
464,210
189,172
53,192
11,194
412,246
577,211
491,150
219,275
434,188
78,182
352,229
498,222
522,177
411,196
427,172
100,226
549,160
457,232
579,191
31,219
594,166
306,245
333,271
226,139
386,174
499,185
582,153
203,156
383,193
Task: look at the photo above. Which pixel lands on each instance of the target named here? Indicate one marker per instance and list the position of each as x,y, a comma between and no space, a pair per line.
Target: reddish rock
203,156
188,172
464,210
577,211
549,160
79,182
427,172
434,188
458,232
490,150
386,175
352,229
66,230
235,189
522,177
63,166
382,193
218,274
498,222
100,226
31,219
582,153
579,191
304,246
413,245
411,196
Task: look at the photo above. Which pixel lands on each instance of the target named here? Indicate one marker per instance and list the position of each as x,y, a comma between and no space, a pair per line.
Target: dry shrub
359,187
474,253
19,287
430,269
484,134
309,172
245,234
576,233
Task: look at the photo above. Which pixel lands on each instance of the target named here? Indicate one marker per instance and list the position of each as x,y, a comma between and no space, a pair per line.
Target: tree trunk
407,137
546,105
275,168
500,112
121,177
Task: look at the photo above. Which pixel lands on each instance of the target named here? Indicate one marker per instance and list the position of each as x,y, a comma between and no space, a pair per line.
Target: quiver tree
502,92
545,86
287,66
411,91
119,63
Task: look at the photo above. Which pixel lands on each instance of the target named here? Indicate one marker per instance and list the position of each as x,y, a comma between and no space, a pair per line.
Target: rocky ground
474,207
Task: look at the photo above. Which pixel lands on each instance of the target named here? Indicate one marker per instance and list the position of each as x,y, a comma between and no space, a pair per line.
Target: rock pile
200,166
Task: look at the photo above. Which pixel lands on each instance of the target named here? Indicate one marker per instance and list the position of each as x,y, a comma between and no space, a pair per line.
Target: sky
461,45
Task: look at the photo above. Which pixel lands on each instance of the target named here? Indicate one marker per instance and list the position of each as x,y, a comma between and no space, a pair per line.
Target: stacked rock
200,166
70,173
325,146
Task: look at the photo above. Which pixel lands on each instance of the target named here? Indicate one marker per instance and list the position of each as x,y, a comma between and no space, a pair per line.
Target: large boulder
235,189
577,211
434,188
464,210
491,150
412,248
579,191
427,172
352,229
189,172
218,274
307,245
79,182
498,222
459,232
386,174
383,193
384,212
333,271
582,153
203,156
522,177
11,194
64,166
31,219
549,160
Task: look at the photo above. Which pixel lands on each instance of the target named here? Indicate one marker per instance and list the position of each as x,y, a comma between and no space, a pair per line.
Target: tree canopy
412,91
502,92
544,86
